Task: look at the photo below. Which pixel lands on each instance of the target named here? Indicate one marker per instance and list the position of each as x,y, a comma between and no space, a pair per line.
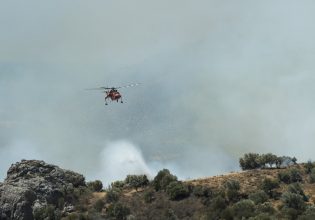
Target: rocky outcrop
31,185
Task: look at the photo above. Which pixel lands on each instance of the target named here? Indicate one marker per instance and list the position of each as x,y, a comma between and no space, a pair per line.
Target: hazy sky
219,79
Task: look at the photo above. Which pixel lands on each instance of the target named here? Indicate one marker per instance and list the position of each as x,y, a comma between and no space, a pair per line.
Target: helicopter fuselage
114,95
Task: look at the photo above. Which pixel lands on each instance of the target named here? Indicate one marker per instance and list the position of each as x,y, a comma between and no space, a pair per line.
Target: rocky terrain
31,185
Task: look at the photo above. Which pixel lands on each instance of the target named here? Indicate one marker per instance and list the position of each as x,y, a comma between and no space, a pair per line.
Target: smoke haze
219,79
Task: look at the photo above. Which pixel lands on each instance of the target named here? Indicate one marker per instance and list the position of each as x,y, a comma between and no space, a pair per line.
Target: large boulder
32,184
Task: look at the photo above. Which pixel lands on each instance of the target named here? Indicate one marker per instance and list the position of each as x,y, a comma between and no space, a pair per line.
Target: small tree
177,190
269,159
162,179
279,162
95,186
249,161
136,181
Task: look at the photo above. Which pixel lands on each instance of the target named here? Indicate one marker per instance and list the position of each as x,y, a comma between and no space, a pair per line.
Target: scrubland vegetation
269,187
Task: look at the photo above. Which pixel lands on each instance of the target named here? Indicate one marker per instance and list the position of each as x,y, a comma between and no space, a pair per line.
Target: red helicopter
112,92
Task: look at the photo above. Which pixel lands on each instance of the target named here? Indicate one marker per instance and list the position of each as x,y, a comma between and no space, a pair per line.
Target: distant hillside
49,192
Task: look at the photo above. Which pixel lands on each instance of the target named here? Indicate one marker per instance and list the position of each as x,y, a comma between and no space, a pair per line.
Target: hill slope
36,190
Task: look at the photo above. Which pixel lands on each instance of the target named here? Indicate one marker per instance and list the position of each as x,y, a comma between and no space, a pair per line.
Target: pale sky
219,79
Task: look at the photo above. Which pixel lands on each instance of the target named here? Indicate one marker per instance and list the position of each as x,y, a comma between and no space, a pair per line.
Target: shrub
232,190
227,214
308,214
284,176
46,212
118,184
266,207
202,191
218,203
99,204
95,186
297,189
289,213
258,197
293,200
268,185
290,176
295,175
177,190
244,209
162,179
118,211
262,216
136,181
308,166
312,176
111,196
149,196
170,215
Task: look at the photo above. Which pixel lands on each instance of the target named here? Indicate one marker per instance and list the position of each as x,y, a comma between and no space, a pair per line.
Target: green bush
162,179
99,204
268,185
170,215
227,214
295,175
258,197
308,166
293,200
312,176
149,196
118,211
266,207
46,212
218,203
136,181
232,188
118,184
309,214
244,209
297,189
284,176
262,216
290,176
177,190
95,186
112,195
202,191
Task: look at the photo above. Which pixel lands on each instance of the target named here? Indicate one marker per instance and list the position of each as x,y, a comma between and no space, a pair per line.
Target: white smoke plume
119,159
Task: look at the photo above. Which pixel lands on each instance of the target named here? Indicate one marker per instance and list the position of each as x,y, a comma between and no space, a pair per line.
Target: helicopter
112,93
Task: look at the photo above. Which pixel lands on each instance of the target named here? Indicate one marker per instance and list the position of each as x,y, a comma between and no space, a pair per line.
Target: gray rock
33,184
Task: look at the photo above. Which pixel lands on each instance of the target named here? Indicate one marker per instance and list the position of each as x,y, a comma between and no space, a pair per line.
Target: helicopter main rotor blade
130,85
99,88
